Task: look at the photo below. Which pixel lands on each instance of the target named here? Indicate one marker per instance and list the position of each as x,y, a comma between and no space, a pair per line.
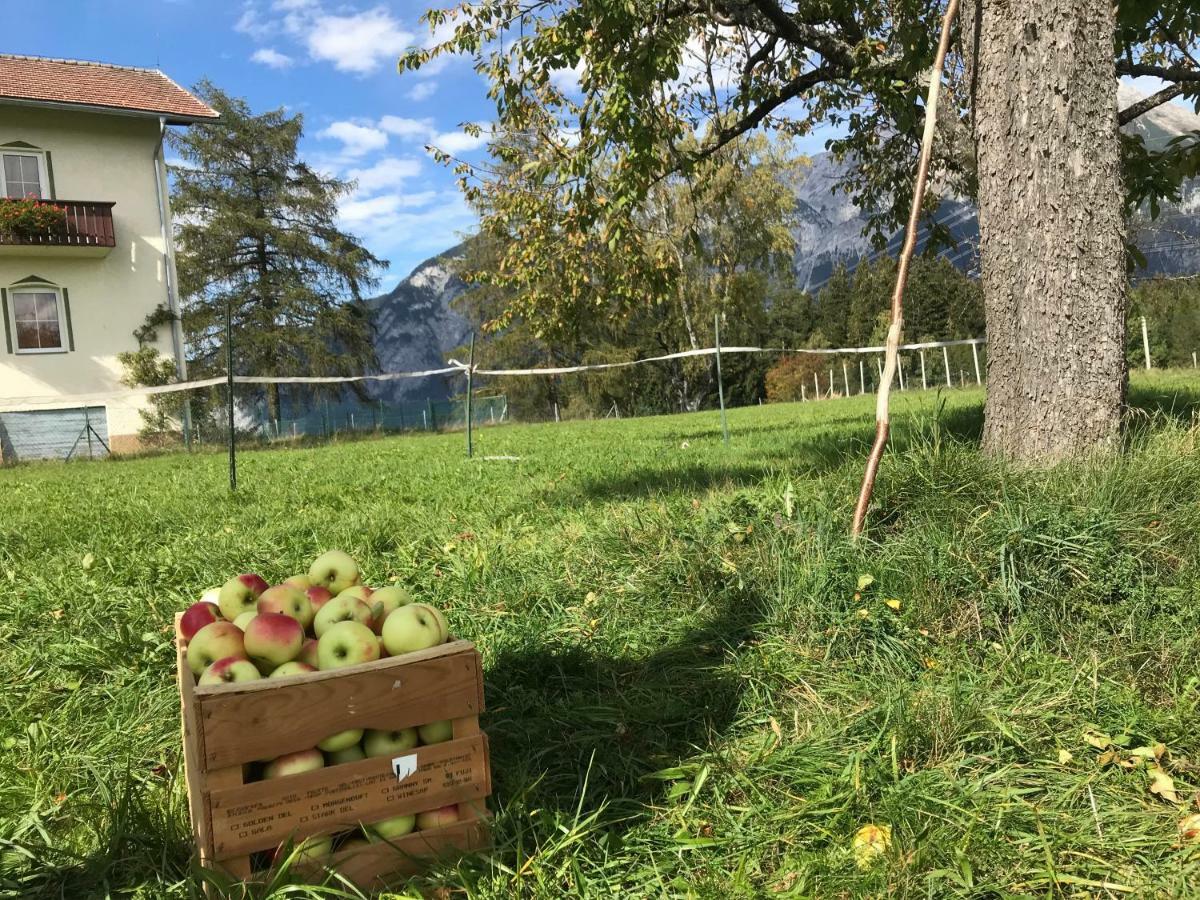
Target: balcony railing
89,223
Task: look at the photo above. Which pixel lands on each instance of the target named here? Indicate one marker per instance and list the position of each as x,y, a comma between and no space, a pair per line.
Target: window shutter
51,195
67,315
4,310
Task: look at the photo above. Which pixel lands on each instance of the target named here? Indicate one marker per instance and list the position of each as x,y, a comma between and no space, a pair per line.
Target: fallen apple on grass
212,642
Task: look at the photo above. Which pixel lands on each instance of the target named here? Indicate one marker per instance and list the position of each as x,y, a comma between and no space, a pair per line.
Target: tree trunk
1050,224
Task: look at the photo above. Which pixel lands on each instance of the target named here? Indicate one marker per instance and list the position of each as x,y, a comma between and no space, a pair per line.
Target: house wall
100,158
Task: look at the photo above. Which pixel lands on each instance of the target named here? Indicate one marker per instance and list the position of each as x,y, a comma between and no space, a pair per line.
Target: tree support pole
924,385
882,417
720,383
946,362
470,380
862,378
1145,343
975,356
229,393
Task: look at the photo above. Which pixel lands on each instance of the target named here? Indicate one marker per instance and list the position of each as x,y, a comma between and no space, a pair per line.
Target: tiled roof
37,79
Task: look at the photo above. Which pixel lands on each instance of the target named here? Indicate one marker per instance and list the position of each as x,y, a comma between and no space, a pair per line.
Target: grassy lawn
686,696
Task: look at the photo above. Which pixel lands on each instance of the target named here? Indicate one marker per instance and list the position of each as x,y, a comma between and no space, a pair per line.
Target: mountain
417,327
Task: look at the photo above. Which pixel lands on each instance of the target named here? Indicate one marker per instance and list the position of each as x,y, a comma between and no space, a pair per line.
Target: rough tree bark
1050,223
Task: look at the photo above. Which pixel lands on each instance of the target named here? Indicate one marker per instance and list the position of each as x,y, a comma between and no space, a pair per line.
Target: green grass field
686,696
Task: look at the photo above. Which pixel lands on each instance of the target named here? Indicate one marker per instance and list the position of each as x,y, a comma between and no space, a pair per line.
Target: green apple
341,609
436,732
294,763
350,754
214,641
240,594
245,619
341,740
346,644
295,667
443,625
289,600
409,628
229,670
335,570
389,829
385,743
385,600
301,581
437,818
311,850
273,639
213,596
361,591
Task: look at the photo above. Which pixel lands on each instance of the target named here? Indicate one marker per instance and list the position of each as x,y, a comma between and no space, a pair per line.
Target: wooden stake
1146,343
946,361
470,389
816,387
975,354
845,378
720,384
862,378
924,386
882,413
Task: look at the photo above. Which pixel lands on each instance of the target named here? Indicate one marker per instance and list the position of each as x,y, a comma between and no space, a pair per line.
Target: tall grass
687,695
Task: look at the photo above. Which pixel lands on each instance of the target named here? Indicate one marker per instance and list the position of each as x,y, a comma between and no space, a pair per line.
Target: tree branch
1143,106
1166,73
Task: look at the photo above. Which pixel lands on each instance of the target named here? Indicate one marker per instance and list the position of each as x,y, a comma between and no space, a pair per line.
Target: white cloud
460,141
422,90
567,80
357,42
408,128
388,172
409,225
249,22
268,56
357,140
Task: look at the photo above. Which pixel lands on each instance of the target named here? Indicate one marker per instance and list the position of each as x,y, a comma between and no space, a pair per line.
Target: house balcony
88,231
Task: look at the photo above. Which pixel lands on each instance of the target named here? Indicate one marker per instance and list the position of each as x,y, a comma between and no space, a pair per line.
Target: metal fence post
720,383
229,391
470,381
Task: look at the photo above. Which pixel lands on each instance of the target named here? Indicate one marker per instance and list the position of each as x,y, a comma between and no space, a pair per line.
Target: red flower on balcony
30,216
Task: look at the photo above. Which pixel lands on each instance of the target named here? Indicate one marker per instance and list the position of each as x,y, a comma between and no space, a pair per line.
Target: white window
23,174
39,323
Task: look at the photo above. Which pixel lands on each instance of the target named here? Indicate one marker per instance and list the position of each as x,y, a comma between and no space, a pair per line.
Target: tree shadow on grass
1177,402
560,719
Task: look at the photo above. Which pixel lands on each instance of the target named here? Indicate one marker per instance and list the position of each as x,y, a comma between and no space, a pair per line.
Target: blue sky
334,62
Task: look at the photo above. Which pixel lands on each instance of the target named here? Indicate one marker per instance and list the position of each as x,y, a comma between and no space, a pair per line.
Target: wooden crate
227,727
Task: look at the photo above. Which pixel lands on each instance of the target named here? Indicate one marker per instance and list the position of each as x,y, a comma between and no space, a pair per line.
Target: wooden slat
381,864
264,719
191,737
264,814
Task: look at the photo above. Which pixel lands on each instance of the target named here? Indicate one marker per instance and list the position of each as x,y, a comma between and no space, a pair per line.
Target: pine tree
257,232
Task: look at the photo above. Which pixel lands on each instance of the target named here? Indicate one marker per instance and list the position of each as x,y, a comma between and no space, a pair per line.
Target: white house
88,139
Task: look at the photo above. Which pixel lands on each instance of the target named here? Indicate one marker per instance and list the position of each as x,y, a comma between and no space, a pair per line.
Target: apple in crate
295,667
294,763
273,639
308,653
353,753
244,619
301,581
361,591
412,627
311,850
443,625
229,670
240,594
317,597
437,818
389,829
385,743
196,617
436,732
335,570
346,644
212,595
387,599
212,642
341,609
341,740
289,600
